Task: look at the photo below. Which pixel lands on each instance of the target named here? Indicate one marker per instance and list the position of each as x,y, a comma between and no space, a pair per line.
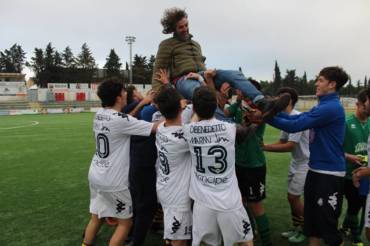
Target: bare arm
280,146
146,100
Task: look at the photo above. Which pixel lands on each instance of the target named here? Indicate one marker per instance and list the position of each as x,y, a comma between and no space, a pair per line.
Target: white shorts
177,223
116,204
210,226
296,180
367,212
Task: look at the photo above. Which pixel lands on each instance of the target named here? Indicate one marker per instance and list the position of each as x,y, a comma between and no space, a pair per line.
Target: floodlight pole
130,40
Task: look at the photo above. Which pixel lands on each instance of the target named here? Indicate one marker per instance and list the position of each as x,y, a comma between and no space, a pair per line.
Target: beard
183,36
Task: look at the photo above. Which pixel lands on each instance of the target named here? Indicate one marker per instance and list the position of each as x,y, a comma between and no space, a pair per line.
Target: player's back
213,180
173,167
110,164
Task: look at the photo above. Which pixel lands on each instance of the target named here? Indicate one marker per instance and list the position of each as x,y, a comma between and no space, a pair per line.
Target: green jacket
179,57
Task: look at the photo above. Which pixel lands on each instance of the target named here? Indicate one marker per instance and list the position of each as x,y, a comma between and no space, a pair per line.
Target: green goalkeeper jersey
249,153
355,141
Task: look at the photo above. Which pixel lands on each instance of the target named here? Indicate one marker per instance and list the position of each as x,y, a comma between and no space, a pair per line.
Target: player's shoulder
119,116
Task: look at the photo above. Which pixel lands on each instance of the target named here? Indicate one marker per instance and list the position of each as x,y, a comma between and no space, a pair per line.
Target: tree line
53,66
303,85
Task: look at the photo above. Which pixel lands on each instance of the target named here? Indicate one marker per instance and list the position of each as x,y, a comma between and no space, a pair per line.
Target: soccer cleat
297,238
272,106
289,233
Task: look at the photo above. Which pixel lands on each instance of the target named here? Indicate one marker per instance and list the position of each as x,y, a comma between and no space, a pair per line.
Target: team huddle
202,130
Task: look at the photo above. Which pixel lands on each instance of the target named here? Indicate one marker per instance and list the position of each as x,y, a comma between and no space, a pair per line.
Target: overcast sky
305,35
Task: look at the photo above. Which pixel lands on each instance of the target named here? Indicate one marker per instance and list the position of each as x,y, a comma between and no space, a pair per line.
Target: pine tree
49,56
38,61
12,60
277,77
290,79
139,70
68,59
366,82
58,60
85,60
113,64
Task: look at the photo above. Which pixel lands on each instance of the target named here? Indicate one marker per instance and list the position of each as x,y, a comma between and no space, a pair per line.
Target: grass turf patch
44,193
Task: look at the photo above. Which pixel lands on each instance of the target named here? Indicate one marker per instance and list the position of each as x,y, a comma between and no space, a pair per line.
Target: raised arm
146,100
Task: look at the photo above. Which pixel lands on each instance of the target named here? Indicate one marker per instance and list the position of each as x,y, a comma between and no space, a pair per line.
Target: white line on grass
33,123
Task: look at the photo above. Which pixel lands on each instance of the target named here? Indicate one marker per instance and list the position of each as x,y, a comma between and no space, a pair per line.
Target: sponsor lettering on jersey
210,179
101,163
360,147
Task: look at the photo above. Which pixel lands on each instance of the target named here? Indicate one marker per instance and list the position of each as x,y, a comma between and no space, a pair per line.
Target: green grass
44,196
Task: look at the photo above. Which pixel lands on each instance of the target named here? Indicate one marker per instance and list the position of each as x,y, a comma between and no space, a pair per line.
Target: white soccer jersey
110,164
213,181
173,167
301,152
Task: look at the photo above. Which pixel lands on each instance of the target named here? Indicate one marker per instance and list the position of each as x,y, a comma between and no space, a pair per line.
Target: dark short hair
108,91
336,74
170,18
168,101
130,93
363,95
291,91
204,102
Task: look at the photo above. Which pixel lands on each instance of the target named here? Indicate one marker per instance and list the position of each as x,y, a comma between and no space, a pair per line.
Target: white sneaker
289,233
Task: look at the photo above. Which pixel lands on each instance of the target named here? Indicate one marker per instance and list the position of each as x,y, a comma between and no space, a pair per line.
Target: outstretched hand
149,97
162,76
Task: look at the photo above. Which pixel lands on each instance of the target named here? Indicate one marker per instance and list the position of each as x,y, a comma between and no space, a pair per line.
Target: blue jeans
235,78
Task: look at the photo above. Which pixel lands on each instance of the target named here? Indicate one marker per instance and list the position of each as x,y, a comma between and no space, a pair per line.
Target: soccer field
44,194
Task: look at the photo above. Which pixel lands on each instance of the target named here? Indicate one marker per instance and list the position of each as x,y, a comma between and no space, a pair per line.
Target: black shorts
355,201
252,182
323,198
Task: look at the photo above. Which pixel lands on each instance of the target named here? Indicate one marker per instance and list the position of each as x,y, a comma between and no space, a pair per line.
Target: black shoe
272,106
